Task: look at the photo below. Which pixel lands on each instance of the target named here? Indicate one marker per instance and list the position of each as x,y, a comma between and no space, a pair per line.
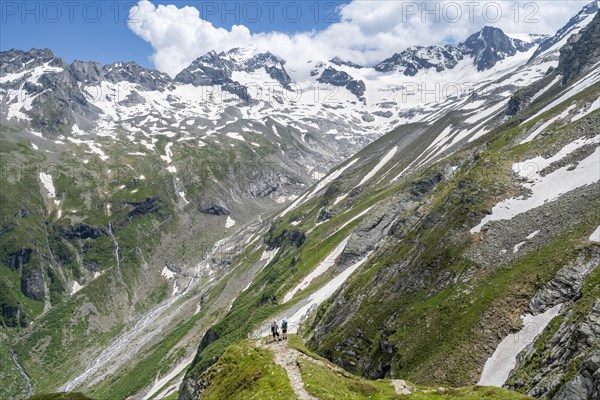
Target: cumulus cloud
367,31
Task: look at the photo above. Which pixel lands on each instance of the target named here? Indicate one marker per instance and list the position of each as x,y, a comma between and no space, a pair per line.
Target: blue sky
98,31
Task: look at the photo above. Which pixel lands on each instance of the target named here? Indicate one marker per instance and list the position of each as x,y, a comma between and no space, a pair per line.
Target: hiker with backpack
275,331
284,329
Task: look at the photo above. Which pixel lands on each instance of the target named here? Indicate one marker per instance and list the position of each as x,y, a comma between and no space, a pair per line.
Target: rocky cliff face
491,45
581,52
566,31
415,59
563,363
217,69
334,77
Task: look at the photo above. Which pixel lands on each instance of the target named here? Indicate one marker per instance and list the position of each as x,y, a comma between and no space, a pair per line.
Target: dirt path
287,358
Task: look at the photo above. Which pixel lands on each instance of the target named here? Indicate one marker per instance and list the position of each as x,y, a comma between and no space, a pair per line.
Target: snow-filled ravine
296,316
323,267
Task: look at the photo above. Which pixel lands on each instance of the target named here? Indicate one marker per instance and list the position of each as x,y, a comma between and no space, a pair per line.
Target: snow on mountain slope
547,188
327,263
235,105
501,363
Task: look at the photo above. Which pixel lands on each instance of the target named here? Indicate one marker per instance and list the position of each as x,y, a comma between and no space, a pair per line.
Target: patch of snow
532,235
595,236
76,287
229,223
498,367
236,136
352,220
275,130
268,255
546,124
549,187
340,198
379,165
159,384
46,180
593,107
322,294
323,267
182,195
34,146
76,130
168,157
167,273
545,89
585,82
518,247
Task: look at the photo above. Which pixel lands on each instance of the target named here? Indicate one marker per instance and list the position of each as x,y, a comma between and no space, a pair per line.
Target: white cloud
368,31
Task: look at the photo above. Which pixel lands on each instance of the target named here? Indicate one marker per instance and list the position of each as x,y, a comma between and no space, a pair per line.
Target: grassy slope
261,300
247,371
439,332
84,190
451,319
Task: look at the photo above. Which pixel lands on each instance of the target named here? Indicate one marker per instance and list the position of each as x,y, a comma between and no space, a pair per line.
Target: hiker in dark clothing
284,329
275,330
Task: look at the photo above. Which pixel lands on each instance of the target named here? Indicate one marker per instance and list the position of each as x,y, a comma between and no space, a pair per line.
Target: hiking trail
287,358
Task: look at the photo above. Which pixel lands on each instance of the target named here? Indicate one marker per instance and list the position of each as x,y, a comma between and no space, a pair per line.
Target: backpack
284,324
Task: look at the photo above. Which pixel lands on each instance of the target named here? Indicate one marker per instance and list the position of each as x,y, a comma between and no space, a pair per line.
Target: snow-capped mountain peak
486,47
491,45
218,68
417,58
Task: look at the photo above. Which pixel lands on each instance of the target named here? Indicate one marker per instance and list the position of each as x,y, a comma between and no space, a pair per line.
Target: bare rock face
334,77
581,52
586,384
565,287
32,284
575,339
